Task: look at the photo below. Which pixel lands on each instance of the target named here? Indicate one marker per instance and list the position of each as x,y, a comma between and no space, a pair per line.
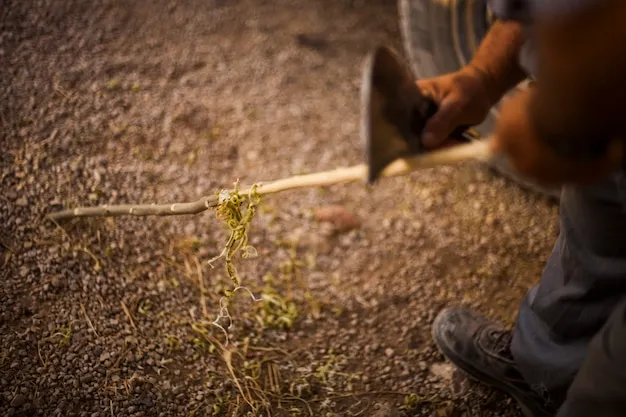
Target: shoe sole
478,376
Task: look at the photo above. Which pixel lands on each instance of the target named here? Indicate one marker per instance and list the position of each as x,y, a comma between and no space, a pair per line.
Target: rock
384,410
131,340
389,352
442,370
19,400
22,202
373,347
338,216
460,383
196,118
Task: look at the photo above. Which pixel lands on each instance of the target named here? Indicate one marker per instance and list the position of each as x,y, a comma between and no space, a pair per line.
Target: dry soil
161,101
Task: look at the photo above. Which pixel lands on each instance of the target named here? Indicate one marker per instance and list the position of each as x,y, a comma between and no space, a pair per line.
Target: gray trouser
599,389
583,281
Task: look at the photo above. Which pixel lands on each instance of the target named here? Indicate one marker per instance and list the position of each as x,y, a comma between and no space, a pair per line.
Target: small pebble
19,400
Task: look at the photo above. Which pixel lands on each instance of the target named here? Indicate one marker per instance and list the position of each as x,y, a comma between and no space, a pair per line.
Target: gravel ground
161,101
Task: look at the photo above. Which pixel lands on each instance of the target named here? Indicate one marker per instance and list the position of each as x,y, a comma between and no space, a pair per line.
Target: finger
430,89
442,123
495,144
431,93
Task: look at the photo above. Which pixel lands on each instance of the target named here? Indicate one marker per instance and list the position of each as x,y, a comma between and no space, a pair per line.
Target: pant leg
599,388
584,279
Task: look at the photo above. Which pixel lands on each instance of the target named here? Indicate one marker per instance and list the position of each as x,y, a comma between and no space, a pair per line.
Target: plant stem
459,153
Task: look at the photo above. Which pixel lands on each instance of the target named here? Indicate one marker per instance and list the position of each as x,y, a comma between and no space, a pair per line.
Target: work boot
481,349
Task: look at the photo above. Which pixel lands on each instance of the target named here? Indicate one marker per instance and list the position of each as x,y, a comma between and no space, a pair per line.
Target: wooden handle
474,150
479,150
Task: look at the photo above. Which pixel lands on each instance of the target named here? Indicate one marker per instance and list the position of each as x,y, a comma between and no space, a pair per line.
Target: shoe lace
501,343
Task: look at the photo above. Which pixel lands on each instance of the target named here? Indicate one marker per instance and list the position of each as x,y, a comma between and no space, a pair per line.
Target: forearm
498,57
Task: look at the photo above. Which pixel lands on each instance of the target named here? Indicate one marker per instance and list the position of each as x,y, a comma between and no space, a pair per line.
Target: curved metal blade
393,111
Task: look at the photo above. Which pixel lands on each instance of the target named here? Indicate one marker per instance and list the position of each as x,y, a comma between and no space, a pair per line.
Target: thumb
495,144
442,123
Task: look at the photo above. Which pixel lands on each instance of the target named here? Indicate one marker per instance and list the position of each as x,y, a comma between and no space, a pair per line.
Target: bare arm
466,96
497,57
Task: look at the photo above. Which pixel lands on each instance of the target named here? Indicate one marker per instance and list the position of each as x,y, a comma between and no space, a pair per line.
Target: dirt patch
158,101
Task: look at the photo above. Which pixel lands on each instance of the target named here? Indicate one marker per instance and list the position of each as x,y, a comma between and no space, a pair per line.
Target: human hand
517,139
463,98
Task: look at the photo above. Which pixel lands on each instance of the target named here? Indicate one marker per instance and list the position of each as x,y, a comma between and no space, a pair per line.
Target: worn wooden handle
478,150
474,150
